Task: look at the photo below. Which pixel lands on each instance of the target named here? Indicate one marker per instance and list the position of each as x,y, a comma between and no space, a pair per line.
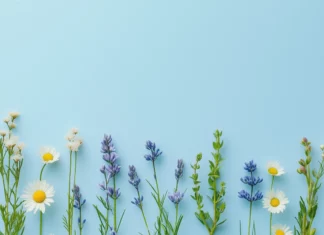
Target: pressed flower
275,202
275,169
49,155
279,229
37,195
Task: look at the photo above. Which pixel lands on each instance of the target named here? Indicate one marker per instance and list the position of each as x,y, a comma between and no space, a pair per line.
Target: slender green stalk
40,223
250,213
115,207
272,182
158,196
41,173
80,224
69,197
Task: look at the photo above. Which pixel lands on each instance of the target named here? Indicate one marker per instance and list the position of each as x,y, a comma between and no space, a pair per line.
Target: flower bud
322,147
302,170
302,162
308,159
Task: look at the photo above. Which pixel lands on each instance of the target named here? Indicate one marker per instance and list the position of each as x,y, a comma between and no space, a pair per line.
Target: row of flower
39,194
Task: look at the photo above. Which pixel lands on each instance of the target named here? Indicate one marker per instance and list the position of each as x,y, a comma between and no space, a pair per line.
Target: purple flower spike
110,157
133,178
113,170
138,201
176,197
179,170
106,145
155,153
114,194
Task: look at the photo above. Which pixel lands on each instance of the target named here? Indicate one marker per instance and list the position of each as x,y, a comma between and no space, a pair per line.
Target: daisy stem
40,223
69,197
41,173
272,182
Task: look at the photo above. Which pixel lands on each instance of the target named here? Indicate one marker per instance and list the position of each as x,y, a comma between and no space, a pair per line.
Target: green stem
40,223
158,194
250,214
272,182
143,214
41,173
80,224
177,213
115,207
69,197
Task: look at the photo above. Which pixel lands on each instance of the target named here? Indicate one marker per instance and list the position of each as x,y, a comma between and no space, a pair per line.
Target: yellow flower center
48,157
273,171
275,202
39,196
280,232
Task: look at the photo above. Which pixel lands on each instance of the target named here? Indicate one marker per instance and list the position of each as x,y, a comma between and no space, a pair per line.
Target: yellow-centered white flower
49,155
275,169
275,202
279,229
37,195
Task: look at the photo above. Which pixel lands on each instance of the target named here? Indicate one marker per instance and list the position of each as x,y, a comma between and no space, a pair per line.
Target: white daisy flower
49,155
37,195
12,125
17,157
11,142
14,114
275,169
21,146
74,131
275,202
7,120
279,229
3,133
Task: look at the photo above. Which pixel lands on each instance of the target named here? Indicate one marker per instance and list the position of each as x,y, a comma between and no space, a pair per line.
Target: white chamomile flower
3,133
275,202
7,120
12,125
74,131
37,195
11,142
322,147
17,157
49,155
279,229
275,169
75,145
21,146
14,114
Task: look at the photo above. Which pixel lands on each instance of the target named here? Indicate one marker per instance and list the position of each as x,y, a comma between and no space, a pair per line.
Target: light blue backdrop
171,72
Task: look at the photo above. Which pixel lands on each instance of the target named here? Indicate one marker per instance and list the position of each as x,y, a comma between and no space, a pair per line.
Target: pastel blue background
171,72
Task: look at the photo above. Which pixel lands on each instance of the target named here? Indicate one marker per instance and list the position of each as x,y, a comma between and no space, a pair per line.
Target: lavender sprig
78,204
135,181
252,181
110,171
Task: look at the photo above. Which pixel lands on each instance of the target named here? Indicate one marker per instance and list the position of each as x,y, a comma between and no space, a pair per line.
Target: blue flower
133,177
106,145
155,153
250,166
179,170
110,157
78,202
251,180
113,169
176,197
112,231
114,194
138,201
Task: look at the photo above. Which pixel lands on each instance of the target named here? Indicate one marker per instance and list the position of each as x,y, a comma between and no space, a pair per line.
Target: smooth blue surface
171,72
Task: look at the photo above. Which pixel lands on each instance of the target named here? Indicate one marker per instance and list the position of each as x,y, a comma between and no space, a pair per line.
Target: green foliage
218,189
308,207
12,213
